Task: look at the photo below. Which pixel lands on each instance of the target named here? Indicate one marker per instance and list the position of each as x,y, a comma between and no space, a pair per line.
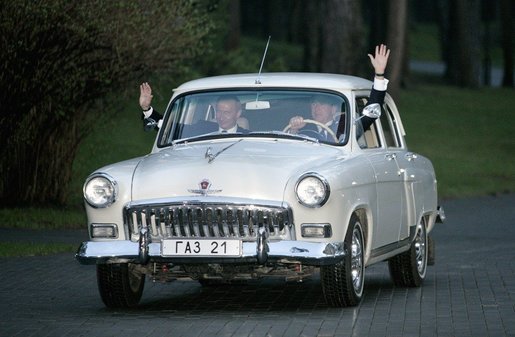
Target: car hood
231,168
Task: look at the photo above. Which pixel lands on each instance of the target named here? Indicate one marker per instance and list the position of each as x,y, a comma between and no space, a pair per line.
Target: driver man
324,111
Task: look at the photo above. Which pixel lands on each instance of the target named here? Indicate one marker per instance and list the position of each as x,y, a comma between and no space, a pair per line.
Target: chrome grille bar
200,219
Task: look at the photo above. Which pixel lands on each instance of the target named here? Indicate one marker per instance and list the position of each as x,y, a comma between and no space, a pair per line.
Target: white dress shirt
380,84
148,113
234,129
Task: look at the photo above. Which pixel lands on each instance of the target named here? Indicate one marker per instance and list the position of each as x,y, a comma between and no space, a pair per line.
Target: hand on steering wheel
311,121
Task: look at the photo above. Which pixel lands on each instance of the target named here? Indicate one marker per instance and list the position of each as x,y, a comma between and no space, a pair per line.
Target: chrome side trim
385,252
309,253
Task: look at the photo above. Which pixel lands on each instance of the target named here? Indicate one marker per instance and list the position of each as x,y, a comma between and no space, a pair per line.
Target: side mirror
151,124
371,111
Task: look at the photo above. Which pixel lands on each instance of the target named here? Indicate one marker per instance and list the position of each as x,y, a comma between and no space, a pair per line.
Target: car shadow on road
188,297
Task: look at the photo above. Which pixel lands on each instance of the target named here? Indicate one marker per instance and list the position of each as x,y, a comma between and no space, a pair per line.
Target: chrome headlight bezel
319,190
109,191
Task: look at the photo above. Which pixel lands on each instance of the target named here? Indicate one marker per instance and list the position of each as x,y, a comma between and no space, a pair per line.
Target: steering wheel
323,126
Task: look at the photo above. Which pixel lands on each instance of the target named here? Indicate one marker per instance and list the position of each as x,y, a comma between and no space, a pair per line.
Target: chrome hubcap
357,260
420,248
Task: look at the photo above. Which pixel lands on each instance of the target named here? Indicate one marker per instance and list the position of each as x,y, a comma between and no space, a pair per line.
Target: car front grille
203,219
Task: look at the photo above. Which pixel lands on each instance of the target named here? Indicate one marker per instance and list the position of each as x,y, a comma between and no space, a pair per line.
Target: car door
390,194
393,136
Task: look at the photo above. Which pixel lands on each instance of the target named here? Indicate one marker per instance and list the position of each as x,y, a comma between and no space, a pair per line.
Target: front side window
256,113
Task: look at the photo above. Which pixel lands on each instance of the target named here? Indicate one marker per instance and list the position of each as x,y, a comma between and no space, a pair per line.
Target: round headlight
100,191
312,190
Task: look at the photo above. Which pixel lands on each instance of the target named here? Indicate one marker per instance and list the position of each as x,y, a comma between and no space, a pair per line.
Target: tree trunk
297,17
312,36
378,22
464,63
233,37
507,41
443,12
396,41
343,47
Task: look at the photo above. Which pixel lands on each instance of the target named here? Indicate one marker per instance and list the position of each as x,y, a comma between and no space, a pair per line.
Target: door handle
390,156
410,156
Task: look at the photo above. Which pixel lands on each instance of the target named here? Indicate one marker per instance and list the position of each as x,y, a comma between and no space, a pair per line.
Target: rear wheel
120,284
342,283
409,268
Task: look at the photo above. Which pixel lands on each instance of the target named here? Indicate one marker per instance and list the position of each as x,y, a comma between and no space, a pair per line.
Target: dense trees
58,59
334,35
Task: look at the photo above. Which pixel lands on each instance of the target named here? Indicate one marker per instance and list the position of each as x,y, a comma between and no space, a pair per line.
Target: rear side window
390,129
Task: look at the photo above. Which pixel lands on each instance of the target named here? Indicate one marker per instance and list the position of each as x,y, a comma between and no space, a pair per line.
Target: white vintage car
223,207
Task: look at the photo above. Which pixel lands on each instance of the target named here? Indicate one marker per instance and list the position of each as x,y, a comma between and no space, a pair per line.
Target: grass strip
43,218
17,249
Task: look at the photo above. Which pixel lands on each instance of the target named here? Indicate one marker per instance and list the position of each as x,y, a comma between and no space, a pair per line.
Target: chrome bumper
308,253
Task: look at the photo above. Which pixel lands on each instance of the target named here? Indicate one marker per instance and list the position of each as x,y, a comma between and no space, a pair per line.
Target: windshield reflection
294,114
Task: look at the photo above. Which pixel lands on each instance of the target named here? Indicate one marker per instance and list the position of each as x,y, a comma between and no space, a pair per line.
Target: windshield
295,114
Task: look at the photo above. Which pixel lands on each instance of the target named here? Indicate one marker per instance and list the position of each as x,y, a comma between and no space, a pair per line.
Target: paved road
469,292
438,68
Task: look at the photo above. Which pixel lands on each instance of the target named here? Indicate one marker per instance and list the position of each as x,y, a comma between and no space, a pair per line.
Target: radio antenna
258,81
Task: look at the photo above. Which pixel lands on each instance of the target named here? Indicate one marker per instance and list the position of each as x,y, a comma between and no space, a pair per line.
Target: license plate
201,247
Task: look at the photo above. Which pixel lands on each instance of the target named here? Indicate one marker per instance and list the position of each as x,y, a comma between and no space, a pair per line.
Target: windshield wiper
205,136
284,134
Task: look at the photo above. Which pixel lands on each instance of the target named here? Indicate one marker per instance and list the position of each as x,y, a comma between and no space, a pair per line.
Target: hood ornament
209,153
204,188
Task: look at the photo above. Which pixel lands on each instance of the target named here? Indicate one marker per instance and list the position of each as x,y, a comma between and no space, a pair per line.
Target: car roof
282,79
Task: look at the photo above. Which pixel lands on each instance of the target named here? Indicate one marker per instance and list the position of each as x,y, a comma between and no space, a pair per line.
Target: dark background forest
62,61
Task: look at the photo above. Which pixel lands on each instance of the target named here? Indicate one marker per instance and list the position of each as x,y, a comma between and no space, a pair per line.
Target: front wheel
342,283
120,284
408,269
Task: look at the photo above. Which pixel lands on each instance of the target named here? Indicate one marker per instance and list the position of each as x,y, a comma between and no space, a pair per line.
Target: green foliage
118,138
281,56
424,43
57,66
466,134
